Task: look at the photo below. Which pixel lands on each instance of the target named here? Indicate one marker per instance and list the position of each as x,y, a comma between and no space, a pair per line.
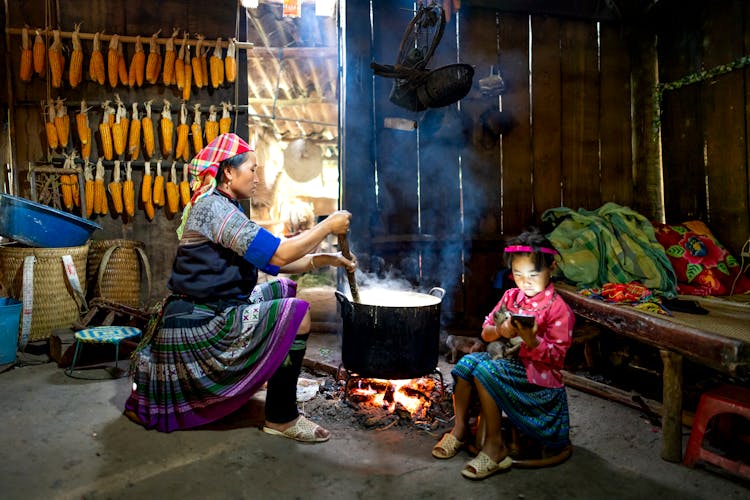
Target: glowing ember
412,395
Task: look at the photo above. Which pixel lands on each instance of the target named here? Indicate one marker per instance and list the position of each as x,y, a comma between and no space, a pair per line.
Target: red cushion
702,264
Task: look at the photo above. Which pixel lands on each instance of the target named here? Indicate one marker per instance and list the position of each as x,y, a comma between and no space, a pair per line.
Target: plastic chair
103,335
722,400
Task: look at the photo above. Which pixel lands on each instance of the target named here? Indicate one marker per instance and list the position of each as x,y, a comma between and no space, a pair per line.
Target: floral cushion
702,264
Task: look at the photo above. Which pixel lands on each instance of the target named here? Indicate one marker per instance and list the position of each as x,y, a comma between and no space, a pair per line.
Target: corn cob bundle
26,69
96,63
153,64
146,191
105,132
173,194
188,78
75,72
157,195
100,195
49,125
196,64
65,184
169,60
183,130
216,65
128,191
179,64
195,129
115,189
56,60
185,185
39,55
114,43
147,131
122,65
120,128
212,125
88,194
167,130
137,64
230,62
134,138
62,123
225,123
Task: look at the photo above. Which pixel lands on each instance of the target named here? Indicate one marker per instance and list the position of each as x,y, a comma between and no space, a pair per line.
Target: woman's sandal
303,430
447,447
482,466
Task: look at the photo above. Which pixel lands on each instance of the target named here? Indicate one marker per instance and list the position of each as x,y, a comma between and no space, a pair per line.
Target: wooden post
671,440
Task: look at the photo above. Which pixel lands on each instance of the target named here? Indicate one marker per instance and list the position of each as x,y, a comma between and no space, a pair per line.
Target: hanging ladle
344,246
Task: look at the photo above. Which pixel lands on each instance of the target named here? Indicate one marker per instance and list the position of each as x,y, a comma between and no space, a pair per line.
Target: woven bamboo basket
55,304
115,271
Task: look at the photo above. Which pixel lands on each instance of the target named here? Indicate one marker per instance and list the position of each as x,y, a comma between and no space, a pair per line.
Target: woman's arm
314,261
295,248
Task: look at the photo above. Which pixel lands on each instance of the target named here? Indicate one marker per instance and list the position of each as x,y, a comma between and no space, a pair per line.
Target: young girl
527,388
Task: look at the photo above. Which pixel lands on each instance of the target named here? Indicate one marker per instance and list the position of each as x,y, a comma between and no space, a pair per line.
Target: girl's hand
528,334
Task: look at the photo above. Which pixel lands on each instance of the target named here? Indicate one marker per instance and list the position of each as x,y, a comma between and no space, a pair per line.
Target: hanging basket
115,271
445,85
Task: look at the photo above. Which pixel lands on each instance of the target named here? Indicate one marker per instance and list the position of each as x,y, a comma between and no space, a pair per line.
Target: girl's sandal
483,466
447,447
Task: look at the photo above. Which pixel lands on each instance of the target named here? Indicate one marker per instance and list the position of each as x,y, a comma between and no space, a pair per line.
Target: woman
219,337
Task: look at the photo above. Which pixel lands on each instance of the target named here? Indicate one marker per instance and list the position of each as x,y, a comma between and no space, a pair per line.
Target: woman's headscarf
205,167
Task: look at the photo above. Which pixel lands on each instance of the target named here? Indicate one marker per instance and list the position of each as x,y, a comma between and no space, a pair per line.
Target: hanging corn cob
153,64
169,60
62,123
65,184
74,184
56,60
230,62
128,191
96,63
212,125
82,124
115,189
157,196
122,65
114,43
195,130
185,186
148,205
26,69
147,131
179,64
120,128
105,132
134,138
49,125
196,63
40,55
188,78
217,66
183,130
173,195
167,130
137,64
100,195
88,194
225,123
75,73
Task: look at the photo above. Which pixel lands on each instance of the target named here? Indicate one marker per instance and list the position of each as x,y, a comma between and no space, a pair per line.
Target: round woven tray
115,270
54,302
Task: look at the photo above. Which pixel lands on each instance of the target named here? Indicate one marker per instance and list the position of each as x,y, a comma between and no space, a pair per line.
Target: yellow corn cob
82,123
49,126
67,191
75,73
62,123
147,131
153,64
128,191
185,186
157,196
169,60
112,61
100,194
88,197
225,123
196,64
217,66
86,148
54,55
230,62
167,130
187,82
120,129
183,130
146,185
195,129
179,64
173,194
96,63
122,65
148,207
40,55
134,139
137,64
75,190
106,136
115,189
212,125
26,69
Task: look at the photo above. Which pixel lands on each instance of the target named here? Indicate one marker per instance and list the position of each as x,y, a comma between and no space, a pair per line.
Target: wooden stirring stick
344,246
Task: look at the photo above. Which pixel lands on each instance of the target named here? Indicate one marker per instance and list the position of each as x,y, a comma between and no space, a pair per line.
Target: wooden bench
719,340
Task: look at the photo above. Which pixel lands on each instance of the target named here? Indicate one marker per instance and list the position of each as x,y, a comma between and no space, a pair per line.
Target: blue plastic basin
38,225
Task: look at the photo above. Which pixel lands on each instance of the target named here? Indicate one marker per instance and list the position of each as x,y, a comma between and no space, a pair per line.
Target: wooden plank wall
451,192
704,125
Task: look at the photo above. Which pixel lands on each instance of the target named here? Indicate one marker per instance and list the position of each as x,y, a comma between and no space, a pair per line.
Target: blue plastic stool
103,335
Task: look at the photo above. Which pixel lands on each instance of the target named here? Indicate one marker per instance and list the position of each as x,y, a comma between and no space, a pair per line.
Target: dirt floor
67,438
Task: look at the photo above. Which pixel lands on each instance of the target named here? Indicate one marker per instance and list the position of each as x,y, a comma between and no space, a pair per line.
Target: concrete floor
67,438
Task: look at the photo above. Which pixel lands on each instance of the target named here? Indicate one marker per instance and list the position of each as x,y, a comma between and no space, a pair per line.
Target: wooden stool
722,400
103,335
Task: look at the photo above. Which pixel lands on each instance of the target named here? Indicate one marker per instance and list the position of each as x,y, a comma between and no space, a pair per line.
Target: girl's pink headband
528,249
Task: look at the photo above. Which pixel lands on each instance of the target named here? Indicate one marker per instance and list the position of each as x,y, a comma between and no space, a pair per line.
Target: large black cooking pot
391,334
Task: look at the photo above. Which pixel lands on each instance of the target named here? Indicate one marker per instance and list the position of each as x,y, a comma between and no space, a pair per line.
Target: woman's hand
338,222
335,259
